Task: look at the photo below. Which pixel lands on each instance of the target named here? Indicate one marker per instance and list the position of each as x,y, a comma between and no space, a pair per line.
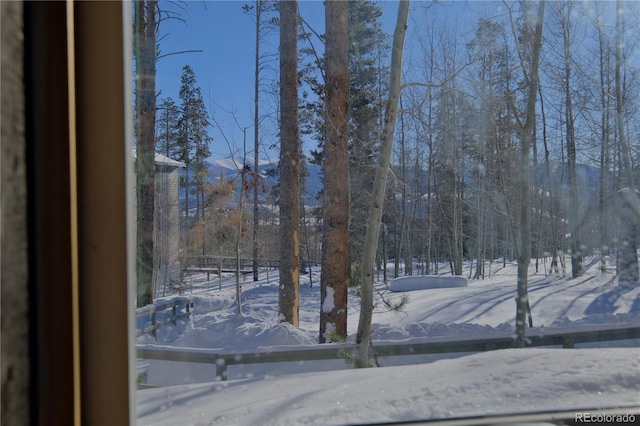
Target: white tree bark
629,202
522,301
361,356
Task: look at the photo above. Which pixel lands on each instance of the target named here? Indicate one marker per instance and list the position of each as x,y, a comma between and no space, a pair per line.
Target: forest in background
454,189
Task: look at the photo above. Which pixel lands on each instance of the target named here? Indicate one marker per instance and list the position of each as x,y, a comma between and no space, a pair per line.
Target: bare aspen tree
605,130
403,238
627,171
259,9
492,123
628,199
259,4
361,356
525,181
577,263
427,120
335,237
289,165
237,249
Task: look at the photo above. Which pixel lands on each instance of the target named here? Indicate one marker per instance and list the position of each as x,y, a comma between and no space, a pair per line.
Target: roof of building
163,160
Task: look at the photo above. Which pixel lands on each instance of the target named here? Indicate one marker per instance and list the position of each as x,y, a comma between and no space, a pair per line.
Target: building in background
166,224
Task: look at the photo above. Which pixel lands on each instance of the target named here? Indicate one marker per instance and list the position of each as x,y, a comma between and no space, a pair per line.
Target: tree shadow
606,302
636,306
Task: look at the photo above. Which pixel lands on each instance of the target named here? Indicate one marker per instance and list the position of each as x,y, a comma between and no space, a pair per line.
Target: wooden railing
567,338
216,265
152,310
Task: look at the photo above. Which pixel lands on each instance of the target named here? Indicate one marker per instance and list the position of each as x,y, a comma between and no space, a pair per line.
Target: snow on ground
492,382
507,381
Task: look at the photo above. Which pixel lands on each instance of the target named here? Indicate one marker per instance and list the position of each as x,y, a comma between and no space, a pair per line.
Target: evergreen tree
168,129
289,168
368,77
335,237
193,142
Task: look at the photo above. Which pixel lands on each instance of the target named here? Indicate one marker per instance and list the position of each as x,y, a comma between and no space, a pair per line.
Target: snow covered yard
507,381
491,382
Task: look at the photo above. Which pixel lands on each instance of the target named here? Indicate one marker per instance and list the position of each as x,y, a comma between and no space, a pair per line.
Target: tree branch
179,53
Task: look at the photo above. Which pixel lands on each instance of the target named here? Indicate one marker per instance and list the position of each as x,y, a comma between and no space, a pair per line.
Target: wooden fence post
568,342
221,368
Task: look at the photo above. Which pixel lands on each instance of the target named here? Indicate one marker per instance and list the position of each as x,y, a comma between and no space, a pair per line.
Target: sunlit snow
455,385
328,304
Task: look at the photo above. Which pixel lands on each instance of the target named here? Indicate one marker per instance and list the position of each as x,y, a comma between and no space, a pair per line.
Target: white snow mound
424,282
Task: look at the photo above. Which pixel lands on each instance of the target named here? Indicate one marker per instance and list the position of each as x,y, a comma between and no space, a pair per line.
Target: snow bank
424,282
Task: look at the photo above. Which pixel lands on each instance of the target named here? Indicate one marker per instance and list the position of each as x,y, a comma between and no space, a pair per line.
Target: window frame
78,142
103,63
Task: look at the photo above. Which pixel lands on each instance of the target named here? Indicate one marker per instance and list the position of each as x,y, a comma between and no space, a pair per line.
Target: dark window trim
49,241
81,342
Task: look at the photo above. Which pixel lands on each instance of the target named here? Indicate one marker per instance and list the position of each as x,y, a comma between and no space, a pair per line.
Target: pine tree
193,142
289,167
335,243
368,79
167,129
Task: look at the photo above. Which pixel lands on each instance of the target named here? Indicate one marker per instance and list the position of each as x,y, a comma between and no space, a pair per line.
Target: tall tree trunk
577,265
256,134
628,232
187,224
430,166
239,227
555,250
239,240
145,22
361,356
335,244
629,201
522,301
403,239
481,194
604,150
626,169
289,166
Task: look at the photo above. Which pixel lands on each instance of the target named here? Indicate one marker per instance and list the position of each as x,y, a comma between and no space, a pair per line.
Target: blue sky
224,68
